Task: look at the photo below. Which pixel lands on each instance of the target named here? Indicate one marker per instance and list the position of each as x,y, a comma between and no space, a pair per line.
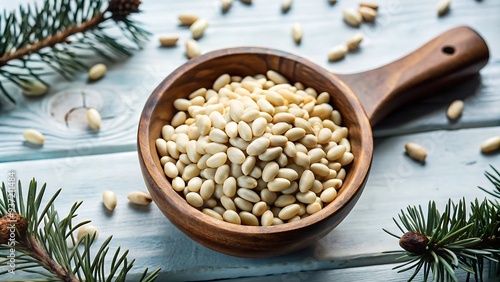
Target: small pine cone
7,225
414,242
122,8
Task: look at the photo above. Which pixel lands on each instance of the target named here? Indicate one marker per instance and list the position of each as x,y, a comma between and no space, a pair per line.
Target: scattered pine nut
455,110
337,53
354,41
33,136
352,17
368,14
297,33
97,72
34,88
139,198
198,28
87,229
192,49
226,5
371,5
443,7
416,152
187,19
168,41
490,145
286,5
94,119
109,200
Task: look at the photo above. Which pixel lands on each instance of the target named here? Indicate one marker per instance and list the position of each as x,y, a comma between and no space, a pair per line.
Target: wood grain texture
454,169
452,56
225,237
390,38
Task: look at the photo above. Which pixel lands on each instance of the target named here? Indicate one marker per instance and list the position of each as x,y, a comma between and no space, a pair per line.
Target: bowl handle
446,59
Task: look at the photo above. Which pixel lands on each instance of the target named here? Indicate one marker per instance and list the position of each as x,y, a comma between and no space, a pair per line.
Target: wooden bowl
378,92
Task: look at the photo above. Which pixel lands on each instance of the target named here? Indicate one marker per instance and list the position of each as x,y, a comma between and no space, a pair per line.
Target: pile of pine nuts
256,150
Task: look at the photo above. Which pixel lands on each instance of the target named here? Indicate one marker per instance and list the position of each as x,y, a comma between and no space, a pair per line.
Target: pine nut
217,160
368,14
246,181
109,200
96,72
271,154
328,195
286,5
336,152
139,198
248,195
278,184
87,230
287,173
226,5
443,7
168,41
192,49
276,77
33,136
297,33
313,208
352,17
94,119
267,218
354,41
337,53
416,151
171,170
490,145
289,211
259,208
198,28
307,198
248,218
232,217
284,200
187,18
455,110
212,213
221,81
372,5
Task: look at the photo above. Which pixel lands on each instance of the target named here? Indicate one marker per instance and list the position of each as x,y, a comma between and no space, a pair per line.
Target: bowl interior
251,241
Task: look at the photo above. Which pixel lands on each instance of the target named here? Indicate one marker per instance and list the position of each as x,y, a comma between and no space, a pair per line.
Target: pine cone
122,8
10,221
414,242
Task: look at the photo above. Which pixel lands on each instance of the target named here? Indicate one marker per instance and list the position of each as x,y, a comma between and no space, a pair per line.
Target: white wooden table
84,164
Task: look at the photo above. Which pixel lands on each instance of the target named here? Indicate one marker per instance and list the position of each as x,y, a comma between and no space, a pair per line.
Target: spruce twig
441,243
60,35
39,240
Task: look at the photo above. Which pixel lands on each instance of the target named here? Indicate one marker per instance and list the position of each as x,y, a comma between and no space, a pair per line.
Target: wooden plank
366,273
453,170
121,94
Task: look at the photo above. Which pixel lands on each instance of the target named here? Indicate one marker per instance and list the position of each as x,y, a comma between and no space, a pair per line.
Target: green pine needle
441,243
42,249
60,35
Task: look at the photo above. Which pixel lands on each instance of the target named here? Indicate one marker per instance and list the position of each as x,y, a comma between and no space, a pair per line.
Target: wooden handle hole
448,50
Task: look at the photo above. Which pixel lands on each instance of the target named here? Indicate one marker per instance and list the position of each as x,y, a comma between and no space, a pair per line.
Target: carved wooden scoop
363,99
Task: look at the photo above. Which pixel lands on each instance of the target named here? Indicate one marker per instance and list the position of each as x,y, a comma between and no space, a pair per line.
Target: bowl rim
362,161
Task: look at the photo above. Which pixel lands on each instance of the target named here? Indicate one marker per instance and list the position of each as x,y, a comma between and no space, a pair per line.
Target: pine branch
39,239
441,243
60,35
